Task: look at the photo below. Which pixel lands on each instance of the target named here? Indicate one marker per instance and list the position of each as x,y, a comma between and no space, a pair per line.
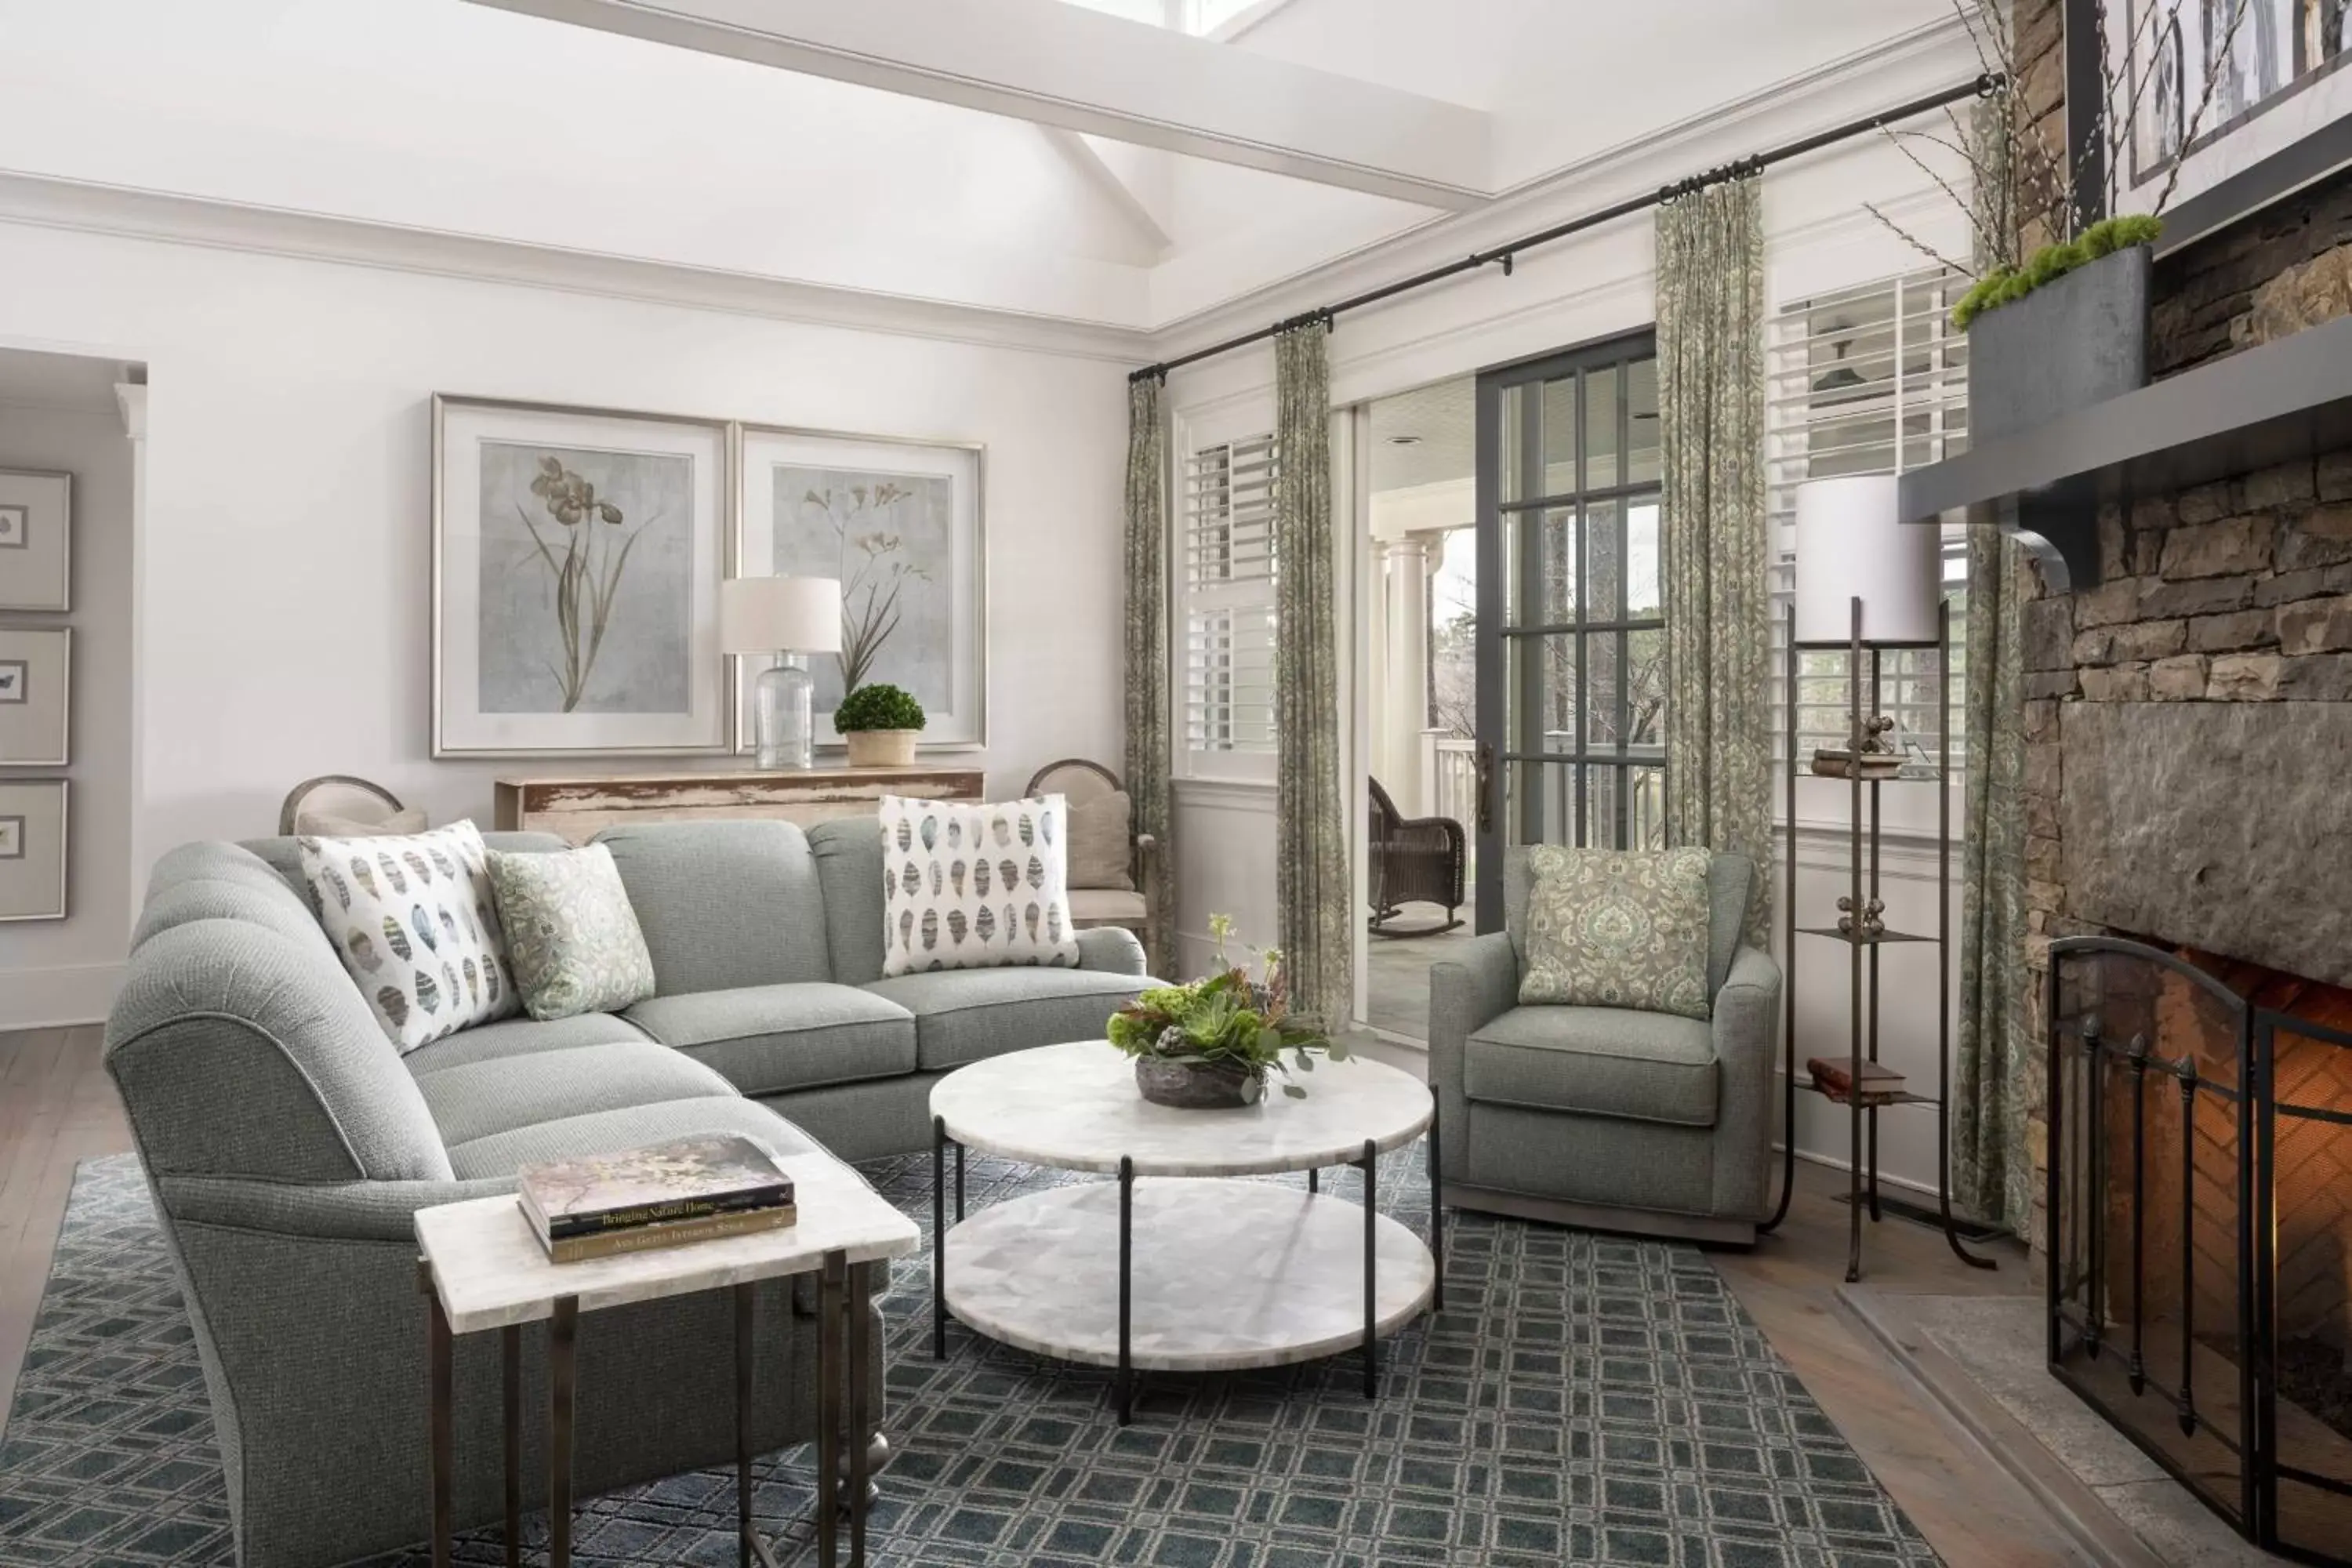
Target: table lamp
790,617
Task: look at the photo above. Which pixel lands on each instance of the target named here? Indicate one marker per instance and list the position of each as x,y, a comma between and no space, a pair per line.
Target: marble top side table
481,1268
1208,1273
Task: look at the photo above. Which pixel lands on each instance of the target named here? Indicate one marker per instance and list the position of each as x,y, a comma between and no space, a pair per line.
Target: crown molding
39,201
1928,56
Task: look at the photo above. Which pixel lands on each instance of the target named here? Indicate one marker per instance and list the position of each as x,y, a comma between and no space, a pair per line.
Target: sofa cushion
975,887
723,904
484,1098
608,1132
768,1040
968,1015
848,853
1596,1061
518,1037
573,944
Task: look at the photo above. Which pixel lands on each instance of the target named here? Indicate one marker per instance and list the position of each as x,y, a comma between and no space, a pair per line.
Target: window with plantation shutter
1866,380
1227,584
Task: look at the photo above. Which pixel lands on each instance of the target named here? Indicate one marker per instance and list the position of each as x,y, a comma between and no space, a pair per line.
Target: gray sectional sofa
288,1145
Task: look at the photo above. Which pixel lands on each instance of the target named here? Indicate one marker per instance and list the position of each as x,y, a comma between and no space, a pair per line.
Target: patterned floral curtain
1313,891
1991,1172
1710,265
1149,759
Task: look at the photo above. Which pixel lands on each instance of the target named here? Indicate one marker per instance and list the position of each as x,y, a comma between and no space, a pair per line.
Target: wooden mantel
580,809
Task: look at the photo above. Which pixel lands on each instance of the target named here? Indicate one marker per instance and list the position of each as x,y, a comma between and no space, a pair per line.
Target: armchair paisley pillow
1618,928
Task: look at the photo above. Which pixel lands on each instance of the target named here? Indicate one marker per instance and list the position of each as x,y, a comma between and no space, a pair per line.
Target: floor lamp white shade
1851,544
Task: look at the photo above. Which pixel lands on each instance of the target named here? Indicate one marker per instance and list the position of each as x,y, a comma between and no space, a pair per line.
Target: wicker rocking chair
1418,859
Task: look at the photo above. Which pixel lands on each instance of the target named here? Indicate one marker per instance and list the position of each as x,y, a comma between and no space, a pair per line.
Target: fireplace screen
2200,1233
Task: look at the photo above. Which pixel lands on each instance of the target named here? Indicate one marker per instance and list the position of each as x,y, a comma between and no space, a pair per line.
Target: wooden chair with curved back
341,795
1081,782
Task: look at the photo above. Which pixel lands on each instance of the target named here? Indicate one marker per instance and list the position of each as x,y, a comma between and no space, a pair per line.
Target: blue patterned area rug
1583,1399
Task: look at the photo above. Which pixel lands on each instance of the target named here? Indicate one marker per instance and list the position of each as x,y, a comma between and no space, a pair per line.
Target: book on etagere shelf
1868,585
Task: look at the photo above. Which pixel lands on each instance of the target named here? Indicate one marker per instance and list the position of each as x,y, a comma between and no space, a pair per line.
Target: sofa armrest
1112,949
334,1211
1465,994
1746,1028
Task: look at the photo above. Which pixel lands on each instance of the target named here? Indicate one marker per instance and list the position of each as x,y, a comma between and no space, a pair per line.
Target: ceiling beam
1065,66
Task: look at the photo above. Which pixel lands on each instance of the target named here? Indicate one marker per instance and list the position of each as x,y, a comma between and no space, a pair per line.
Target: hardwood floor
58,1108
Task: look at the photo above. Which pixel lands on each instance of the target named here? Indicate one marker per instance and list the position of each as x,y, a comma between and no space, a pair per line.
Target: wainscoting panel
1225,865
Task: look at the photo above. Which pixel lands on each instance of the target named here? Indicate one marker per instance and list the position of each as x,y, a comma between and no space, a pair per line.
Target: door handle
1485,765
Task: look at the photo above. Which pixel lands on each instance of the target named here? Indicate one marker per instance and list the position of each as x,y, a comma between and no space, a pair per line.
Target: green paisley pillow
1618,928
572,938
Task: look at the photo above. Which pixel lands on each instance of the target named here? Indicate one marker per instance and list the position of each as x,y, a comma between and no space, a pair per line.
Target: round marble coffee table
1205,1274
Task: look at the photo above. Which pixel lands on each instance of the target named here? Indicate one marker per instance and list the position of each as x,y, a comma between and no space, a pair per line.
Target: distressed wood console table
580,809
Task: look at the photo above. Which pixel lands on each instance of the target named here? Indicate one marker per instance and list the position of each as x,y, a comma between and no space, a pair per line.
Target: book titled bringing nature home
665,1195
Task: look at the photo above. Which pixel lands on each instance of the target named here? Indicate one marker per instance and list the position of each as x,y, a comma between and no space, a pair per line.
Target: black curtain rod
1984,86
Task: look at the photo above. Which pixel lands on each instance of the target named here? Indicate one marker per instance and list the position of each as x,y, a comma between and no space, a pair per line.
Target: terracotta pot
1194,1085
882,748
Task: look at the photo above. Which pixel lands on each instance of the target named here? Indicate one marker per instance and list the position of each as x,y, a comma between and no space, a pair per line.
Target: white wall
55,972
285,570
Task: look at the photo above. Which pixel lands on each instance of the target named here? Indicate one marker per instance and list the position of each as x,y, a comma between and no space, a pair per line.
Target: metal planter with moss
2067,330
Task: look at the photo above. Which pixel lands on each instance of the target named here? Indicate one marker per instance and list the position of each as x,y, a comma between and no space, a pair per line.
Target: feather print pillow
413,921
975,887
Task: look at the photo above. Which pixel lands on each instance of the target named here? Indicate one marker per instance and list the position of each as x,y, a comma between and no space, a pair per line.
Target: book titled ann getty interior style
665,1195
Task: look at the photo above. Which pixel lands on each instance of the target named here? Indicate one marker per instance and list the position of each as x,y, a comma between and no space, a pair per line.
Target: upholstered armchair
1604,1117
1415,860
1114,890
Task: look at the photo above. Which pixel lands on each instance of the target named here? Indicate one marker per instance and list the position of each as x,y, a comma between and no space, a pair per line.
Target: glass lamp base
783,717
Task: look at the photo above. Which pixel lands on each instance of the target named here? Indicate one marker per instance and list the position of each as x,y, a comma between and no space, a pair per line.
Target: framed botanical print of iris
899,523
577,558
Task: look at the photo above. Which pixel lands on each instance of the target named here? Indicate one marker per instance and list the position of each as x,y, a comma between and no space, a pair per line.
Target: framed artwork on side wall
33,851
899,522
577,555
36,696
36,541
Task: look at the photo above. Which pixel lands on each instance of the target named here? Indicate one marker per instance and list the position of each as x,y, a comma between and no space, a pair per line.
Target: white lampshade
1852,544
780,615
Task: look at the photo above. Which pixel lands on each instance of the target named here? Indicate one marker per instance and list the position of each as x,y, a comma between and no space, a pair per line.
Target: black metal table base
845,1341
1124,1377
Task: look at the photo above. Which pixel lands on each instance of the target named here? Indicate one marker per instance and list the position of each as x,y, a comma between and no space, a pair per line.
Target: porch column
1405,565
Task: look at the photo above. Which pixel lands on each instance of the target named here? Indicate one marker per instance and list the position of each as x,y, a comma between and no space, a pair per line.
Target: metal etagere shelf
1861,934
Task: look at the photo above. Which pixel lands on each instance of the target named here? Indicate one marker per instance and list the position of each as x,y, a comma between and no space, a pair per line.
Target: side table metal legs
437,1358
510,1390
939,1234
1372,1272
563,1387
829,1408
1126,1288
1436,1212
857,1375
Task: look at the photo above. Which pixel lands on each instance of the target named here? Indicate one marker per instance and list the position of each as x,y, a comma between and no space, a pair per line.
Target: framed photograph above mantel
577,555
900,523
2226,103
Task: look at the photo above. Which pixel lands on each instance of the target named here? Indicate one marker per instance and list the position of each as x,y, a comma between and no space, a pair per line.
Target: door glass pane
1603,654
1646,811
1642,594
1604,570
1543,692
1540,561
1540,804
1511,449
1601,803
1642,461
1601,468
1646,688
1559,436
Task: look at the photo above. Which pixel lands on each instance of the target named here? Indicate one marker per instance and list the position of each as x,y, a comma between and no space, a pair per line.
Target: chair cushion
968,1015
1618,928
518,1037
482,1099
608,1132
1102,842
723,904
1093,906
768,1040
1596,1061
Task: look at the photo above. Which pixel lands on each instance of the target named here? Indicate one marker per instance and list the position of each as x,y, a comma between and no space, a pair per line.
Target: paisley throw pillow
975,887
1611,928
413,919
570,931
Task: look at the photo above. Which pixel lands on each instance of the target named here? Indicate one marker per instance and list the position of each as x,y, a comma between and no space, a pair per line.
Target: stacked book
666,1194
1835,1077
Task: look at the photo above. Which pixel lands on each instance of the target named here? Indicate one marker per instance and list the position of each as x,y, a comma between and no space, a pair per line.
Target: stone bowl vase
882,748
1194,1083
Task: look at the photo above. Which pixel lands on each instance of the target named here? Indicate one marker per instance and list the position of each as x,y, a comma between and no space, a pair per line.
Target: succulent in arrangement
1227,1023
877,706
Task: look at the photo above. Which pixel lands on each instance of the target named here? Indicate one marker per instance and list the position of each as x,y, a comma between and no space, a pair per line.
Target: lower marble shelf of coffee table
1227,1274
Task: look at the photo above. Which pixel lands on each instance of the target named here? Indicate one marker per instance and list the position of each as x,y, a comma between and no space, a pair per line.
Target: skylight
1201,19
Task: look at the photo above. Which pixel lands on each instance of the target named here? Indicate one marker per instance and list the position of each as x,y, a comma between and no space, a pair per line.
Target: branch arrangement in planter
881,723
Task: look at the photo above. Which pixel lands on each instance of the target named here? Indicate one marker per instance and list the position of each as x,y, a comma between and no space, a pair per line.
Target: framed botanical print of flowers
577,555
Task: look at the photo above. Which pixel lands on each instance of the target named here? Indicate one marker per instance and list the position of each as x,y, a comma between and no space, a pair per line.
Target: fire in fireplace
2200,1226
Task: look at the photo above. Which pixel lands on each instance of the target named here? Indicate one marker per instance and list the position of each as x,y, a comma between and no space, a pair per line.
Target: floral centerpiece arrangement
1212,1042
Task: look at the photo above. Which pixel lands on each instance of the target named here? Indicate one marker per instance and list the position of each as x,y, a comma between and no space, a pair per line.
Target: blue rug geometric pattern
1583,1399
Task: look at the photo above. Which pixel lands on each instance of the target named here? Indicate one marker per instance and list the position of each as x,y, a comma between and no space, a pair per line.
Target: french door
1571,625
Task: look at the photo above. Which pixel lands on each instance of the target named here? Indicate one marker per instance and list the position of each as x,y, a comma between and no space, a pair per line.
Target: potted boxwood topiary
881,722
